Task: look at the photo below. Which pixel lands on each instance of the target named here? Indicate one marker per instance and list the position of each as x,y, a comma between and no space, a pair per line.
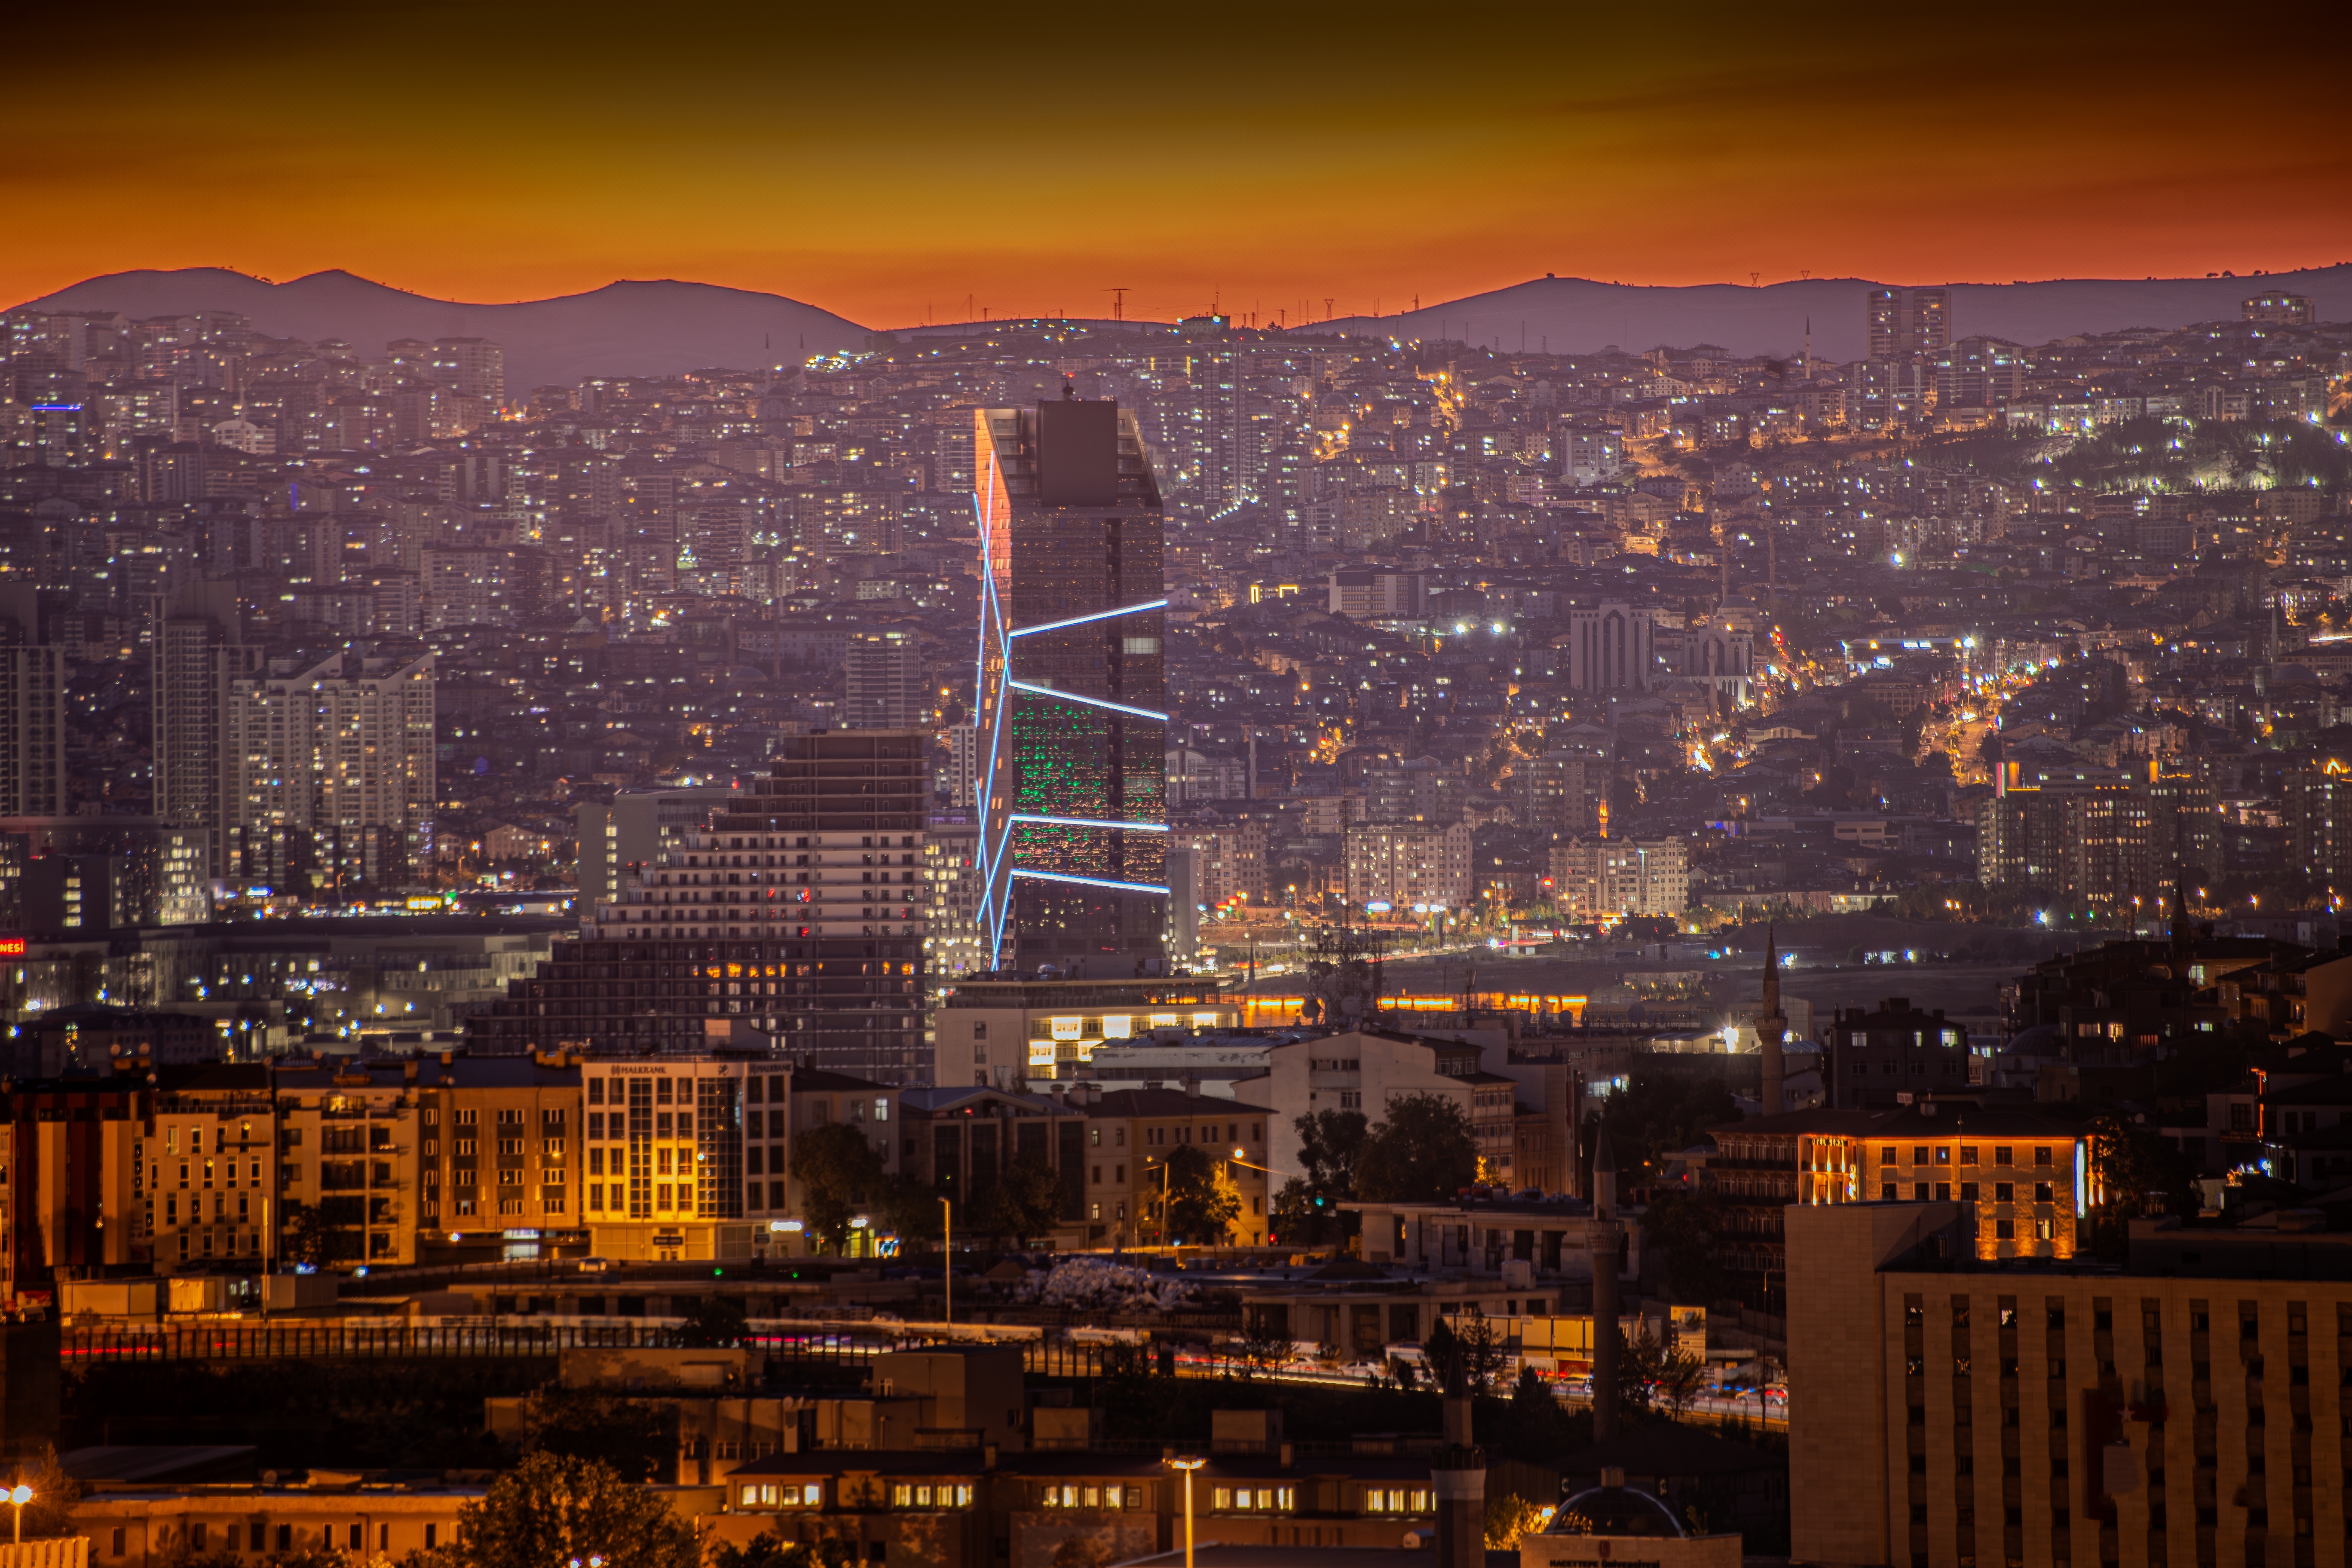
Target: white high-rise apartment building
32,712
1412,867
330,768
882,682
1592,878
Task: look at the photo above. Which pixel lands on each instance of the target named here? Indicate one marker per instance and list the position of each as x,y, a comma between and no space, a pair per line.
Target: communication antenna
1118,301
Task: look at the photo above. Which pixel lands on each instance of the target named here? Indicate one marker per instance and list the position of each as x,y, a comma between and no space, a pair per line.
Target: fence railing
802,1343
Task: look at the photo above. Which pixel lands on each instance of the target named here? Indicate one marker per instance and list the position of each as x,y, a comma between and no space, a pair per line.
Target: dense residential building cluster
1552,599
1035,777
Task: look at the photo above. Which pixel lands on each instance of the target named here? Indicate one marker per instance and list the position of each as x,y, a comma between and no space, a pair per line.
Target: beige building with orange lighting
1951,1410
1002,1033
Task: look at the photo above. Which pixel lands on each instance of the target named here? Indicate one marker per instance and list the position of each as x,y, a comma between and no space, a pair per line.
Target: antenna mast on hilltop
1118,301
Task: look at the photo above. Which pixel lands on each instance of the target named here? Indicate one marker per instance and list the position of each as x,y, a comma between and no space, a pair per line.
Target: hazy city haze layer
660,328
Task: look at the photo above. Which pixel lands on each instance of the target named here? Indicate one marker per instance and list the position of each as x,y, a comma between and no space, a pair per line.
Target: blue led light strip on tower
1097,616
1035,690
1090,881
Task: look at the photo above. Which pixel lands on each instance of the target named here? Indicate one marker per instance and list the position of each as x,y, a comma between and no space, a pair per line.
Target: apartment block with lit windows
500,1160
207,1167
1595,878
2184,1408
351,1144
797,914
73,1153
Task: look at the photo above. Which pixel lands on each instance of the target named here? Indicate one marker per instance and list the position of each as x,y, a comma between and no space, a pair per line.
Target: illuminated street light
1188,1467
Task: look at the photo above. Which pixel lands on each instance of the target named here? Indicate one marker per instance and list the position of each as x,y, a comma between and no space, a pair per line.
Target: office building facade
1071,671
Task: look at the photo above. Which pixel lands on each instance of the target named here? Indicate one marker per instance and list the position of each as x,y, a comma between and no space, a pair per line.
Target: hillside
623,328
1577,315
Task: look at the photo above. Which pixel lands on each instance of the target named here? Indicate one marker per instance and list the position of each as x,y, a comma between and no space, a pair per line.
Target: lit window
1065,1028
1118,1026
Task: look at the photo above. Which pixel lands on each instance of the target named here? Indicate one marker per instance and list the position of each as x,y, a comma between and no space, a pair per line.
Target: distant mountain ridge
632,328
662,327
1577,315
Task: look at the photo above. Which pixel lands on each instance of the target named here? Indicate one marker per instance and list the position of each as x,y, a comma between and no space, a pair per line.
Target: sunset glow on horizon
932,174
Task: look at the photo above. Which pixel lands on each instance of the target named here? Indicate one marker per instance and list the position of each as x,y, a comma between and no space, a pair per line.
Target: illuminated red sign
12,947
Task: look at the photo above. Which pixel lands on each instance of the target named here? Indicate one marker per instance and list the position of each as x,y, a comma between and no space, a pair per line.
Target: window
2004,1192
1969,1156
2041,1156
2001,1154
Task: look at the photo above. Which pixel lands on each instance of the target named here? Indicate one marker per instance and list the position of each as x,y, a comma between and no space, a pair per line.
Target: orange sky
884,164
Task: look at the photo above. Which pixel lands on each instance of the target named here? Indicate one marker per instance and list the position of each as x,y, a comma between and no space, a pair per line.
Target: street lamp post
24,1494
1188,1467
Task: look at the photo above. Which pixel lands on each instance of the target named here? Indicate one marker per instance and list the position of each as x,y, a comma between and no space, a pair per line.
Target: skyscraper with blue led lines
1072,742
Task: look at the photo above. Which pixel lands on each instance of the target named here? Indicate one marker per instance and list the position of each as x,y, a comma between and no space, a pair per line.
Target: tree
1307,1206
1657,1113
1025,1204
634,1438
1681,1227
49,1514
1510,1516
1203,1201
769,1550
837,1169
2137,1174
1652,1373
553,1508
307,1234
909,1209
1264,1343
713,1322
1422,1153
1482,1354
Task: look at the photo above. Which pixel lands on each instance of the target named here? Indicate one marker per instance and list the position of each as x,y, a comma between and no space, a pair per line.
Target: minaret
1771,1028
1458,1475
1604,1286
